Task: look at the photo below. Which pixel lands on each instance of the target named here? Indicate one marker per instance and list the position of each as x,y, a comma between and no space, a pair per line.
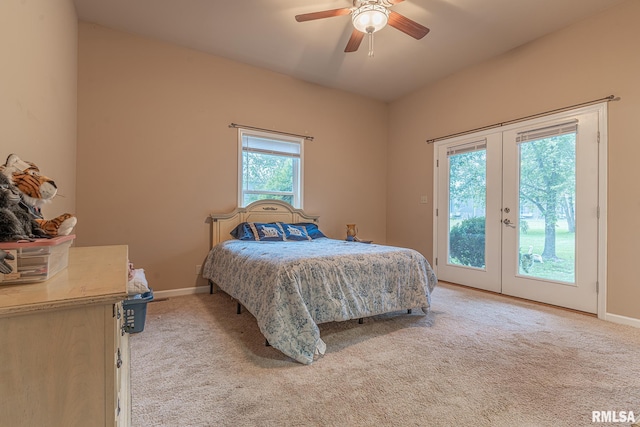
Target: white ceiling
265,34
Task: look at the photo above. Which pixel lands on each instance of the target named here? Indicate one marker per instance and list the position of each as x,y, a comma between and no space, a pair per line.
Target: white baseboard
616,318
180,292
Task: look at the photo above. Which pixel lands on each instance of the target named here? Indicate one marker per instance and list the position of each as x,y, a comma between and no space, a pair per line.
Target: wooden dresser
64,360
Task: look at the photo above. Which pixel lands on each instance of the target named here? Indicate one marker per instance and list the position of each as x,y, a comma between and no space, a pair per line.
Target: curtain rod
508,122
236,125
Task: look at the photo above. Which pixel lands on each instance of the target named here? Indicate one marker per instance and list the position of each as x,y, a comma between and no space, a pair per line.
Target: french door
517,209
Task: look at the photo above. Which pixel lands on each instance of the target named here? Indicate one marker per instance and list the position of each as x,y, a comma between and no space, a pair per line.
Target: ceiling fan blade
354,41
324,14
395,1
407,26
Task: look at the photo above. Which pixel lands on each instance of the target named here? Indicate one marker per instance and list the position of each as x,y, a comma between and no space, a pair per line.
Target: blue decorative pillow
243,232
295,232
256,231
312,229
267,232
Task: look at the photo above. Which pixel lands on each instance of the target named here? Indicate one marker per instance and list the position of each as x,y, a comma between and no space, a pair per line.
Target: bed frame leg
360,321
266,343
239,309
409,311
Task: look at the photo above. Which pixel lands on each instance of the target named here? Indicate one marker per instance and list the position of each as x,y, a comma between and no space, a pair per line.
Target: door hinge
437,163
598,137
597,287
436,211
598,212
436,261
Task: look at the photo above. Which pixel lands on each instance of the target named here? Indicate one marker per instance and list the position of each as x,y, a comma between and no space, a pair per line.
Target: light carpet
477,359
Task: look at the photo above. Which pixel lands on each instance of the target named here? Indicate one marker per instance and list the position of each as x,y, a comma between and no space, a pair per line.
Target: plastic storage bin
38,260
135,311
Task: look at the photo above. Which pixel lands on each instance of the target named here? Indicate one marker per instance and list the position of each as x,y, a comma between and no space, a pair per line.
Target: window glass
270,168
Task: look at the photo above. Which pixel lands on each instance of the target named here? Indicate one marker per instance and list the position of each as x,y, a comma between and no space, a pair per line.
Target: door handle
508,223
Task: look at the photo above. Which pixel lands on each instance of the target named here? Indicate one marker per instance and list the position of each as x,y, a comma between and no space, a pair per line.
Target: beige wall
156,156
38,74
589,60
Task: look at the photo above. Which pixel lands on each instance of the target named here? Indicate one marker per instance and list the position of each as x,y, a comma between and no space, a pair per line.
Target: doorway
517,209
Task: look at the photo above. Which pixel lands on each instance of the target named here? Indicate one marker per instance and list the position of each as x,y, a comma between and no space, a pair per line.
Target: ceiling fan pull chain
370,44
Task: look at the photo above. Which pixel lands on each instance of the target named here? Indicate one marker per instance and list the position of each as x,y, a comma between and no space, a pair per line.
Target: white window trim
298,196
602,110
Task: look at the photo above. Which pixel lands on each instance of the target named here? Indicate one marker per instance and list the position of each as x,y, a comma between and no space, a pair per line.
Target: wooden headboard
260,211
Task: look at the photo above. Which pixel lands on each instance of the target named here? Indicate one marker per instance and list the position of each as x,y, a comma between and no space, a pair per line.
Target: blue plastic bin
135,311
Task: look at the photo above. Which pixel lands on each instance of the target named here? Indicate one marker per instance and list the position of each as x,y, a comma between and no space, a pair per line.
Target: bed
295,282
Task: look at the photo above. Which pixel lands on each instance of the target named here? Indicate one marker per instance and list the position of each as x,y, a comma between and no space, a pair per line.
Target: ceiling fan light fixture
370,18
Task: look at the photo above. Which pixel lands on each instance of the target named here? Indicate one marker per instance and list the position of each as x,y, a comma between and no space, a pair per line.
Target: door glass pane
547,196
467,208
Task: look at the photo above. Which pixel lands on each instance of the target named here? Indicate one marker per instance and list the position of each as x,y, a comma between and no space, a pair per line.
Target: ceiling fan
369,16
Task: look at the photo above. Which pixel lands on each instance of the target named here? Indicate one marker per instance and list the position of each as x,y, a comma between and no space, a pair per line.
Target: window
270,167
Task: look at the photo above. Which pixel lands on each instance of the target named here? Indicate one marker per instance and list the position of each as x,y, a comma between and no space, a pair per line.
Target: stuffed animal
11,228
10,200
36,190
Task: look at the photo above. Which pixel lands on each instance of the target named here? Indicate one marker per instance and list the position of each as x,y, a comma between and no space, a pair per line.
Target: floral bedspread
291,287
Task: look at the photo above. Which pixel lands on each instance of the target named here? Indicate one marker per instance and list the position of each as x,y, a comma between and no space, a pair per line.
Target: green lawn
562,269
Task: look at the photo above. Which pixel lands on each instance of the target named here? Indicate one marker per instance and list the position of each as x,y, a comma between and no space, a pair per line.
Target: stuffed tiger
15,222
36,190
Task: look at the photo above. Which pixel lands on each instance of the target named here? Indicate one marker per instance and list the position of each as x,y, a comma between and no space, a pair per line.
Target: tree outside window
270,168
